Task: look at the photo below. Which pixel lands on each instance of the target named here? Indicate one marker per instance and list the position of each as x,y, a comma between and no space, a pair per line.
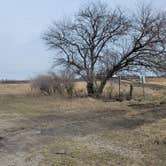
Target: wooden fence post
131,90
119,86
143,86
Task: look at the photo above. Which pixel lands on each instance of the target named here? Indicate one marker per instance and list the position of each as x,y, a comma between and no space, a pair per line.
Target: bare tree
99,40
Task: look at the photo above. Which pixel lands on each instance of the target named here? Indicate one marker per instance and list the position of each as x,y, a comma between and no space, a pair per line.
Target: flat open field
50,131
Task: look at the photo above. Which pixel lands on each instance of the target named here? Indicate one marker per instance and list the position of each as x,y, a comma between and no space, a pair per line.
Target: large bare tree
100,40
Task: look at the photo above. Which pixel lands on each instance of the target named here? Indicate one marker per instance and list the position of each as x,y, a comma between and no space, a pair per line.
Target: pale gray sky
22,52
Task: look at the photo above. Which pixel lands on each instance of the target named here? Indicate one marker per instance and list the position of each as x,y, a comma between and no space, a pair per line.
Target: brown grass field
38,130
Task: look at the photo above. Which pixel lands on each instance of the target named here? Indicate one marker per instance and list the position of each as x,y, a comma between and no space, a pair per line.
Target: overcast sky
22,52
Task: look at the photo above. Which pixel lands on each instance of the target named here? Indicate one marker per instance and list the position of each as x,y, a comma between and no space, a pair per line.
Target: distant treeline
14,81
79,79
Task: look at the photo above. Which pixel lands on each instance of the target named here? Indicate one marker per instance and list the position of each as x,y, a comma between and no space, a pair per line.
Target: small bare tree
99,40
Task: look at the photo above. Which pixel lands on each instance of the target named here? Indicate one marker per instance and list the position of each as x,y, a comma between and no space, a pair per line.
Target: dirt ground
47,131
108,136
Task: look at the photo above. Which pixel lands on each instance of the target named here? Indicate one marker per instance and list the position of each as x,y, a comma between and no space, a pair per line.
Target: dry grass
14,89
158,81
48,131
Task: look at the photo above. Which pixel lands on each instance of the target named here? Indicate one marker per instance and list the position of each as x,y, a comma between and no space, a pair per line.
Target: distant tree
100,40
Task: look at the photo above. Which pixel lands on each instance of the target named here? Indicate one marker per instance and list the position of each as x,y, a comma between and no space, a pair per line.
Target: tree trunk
102,85
90,88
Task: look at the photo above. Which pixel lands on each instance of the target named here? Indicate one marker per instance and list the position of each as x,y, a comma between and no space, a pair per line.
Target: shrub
51,84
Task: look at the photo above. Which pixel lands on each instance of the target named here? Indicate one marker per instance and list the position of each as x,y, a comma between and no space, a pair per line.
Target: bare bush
51,84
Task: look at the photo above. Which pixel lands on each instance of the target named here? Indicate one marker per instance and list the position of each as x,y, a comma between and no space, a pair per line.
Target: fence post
119,86
143,86
131,90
